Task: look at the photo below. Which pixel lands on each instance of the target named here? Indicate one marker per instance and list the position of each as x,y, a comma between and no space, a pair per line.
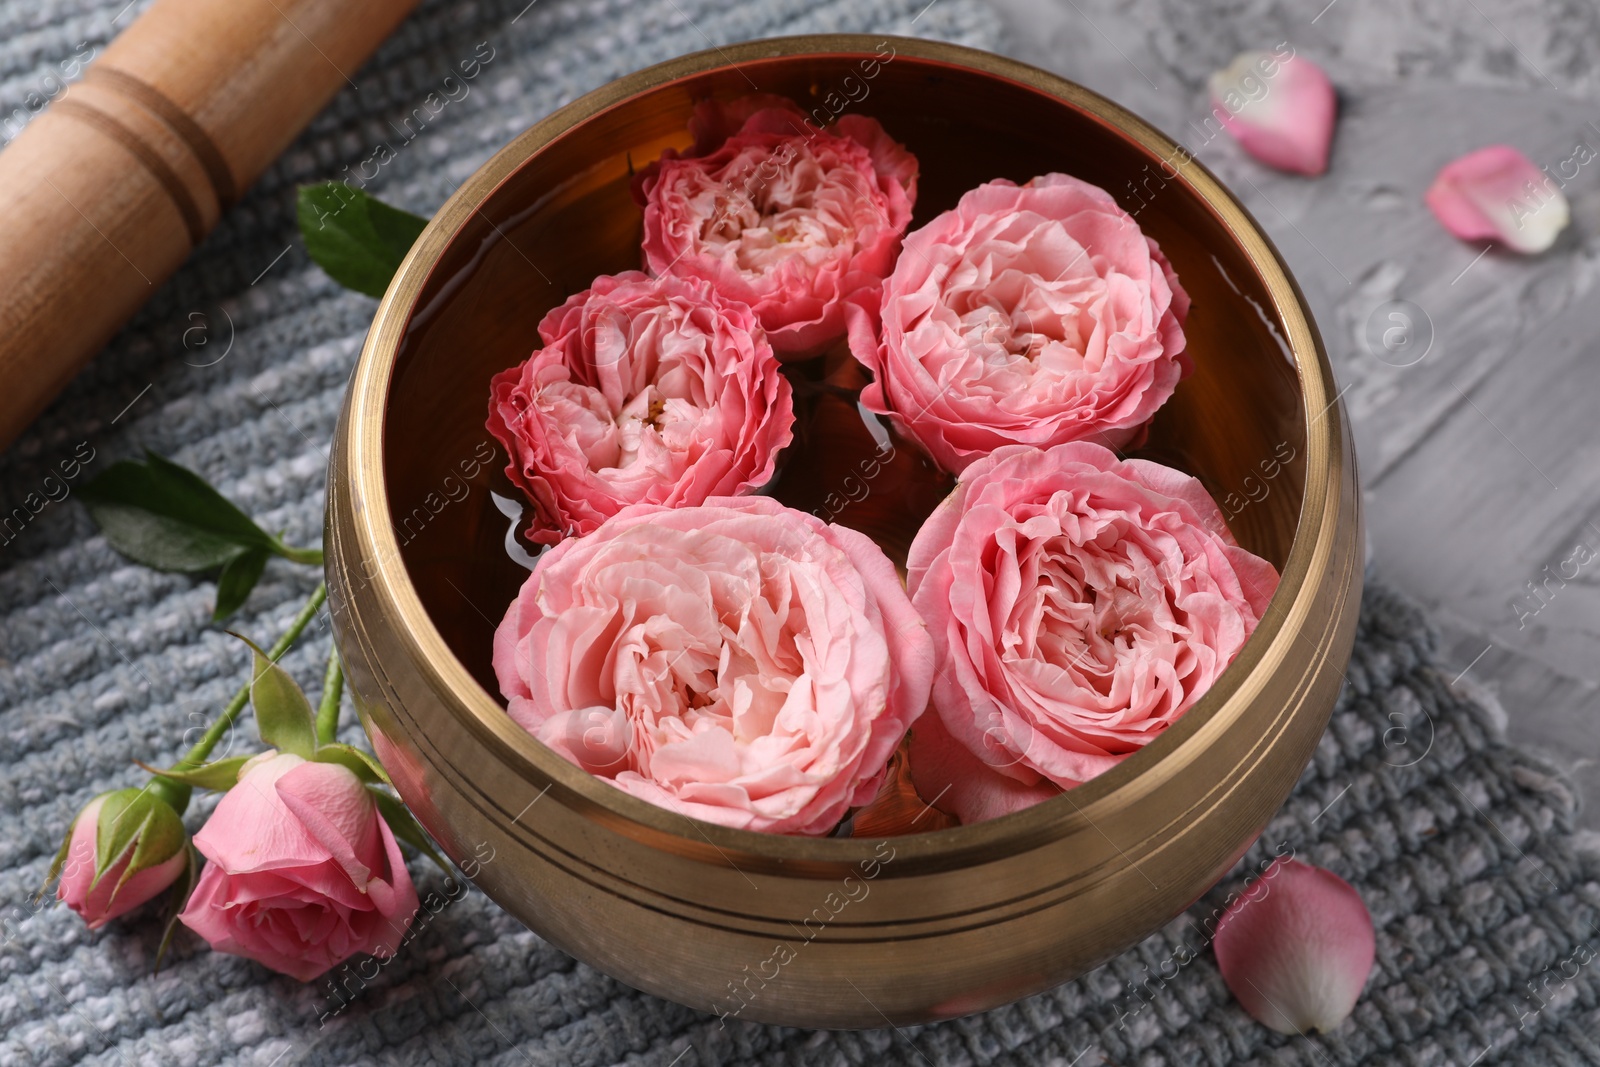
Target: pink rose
154,847
648,390
1079,604
303,872
739,662
1032,315
782,215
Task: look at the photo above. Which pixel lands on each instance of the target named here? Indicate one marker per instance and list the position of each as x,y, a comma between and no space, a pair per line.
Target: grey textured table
1463,853
1481,462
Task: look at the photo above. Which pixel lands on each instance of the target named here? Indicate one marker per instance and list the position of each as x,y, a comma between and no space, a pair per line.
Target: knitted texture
1459,845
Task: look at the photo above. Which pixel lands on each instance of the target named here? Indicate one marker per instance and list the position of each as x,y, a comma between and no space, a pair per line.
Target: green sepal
218,776
283,714
404,826
59,862
363,766
132,819
181,890
359,240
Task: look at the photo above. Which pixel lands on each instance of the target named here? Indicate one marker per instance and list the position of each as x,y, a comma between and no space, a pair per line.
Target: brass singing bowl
831,932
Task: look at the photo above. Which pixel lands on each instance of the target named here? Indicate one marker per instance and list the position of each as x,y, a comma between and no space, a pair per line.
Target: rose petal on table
1281,111
1296,948
1497,193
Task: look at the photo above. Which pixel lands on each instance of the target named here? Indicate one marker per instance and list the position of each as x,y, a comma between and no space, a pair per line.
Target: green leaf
283,714
352,759
359,240
218,776
405,826
166,516
239,576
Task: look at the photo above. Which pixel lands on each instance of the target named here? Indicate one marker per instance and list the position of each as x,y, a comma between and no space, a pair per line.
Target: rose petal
1281,111
1297,948
958,783
1497,193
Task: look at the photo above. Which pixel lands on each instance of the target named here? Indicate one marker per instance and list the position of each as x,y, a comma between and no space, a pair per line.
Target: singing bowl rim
1269,648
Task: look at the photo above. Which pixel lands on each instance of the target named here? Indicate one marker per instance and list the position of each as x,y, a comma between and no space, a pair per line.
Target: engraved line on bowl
1297,229
1502,433
898,1032
532,802
97,229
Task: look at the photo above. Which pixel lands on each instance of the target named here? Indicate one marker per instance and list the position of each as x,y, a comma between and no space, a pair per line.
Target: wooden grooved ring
146,155
199,142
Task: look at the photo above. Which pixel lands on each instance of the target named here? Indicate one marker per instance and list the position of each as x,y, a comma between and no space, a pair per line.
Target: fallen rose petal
1296,948
1280,110
1497,193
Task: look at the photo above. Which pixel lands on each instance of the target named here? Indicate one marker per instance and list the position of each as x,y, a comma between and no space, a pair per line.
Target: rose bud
783,215
647,390
739,662
1079,604
1000,327
1297,948
1496,193
124,848
303,874
1280,110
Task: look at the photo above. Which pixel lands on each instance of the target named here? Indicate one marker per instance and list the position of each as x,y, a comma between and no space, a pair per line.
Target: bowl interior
565,215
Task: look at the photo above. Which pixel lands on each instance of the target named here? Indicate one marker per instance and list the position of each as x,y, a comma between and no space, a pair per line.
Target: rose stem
177,794
332,691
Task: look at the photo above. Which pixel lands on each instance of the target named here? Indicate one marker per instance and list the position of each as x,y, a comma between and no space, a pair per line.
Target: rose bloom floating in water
781,214
739,662
1035,315
1079,604
652,390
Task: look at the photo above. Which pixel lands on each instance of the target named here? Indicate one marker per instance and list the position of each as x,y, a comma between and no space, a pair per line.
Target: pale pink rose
739,662
1034,314
1078,605
303,872
116,892
648,390
1279,108
1497,193
1296,948
783,215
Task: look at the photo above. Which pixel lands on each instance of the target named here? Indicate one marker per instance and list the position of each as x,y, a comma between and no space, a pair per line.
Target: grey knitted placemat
1458,844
